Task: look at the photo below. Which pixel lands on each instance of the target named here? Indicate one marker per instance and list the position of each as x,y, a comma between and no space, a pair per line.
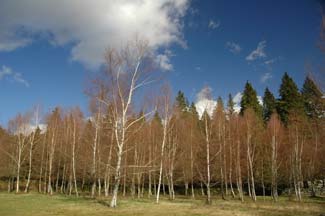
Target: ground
38,204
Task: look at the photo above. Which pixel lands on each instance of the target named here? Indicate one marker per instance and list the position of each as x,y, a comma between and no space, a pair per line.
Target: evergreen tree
230,105
181,101
290,98
269,105
156,117
250,100
312,97
220,103
193,110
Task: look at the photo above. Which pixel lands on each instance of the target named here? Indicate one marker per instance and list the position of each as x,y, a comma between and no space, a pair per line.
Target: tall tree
181,101
32,141
250,100
219,124
19,127
193,110
230,105
166,112
53,129
312,97
269,105
207,130
290,98
128,70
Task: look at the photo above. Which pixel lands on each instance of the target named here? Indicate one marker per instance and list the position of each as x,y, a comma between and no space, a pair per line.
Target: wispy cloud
17,77
270,61
214,24
12,44
265,77
233,47
258,53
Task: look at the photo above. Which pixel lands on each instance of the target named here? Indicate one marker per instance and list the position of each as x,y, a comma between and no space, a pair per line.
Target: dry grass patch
37,205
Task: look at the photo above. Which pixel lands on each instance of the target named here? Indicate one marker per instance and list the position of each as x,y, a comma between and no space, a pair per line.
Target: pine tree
181,101
156,117
193,110
269,105
220,103
250,100
230,105
312,97
290,98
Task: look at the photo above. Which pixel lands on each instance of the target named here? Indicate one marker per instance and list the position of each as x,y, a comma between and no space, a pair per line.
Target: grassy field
37,205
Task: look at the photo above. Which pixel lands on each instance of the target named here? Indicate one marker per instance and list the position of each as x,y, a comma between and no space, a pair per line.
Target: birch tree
20,127
165,103
32,141
128,70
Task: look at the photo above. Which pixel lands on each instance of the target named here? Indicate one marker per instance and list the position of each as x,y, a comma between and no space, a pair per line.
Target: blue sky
46,59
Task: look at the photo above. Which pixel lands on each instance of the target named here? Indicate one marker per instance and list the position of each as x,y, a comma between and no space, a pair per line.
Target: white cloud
265,77
17,77
260,100
91,26
214,24
163,61
204,101
233,47
237,100
258,52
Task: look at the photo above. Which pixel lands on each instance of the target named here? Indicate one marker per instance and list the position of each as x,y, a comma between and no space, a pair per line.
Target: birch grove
133,145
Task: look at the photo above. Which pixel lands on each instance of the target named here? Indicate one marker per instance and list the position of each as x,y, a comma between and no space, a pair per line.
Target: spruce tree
312,98
250,100
193,110
230,105
181,101
220,103
156,117
290,99
269,105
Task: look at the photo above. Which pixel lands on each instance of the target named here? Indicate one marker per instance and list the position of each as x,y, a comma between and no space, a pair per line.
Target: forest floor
38,204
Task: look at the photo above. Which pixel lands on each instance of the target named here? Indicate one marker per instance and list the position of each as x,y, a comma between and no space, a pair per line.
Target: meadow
35,204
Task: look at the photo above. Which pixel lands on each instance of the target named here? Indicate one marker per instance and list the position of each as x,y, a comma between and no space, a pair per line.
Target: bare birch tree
128,70
32,141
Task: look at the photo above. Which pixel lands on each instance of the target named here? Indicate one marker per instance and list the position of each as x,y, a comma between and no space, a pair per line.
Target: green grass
38,204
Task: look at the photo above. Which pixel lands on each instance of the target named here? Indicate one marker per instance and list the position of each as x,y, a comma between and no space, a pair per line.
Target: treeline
277,147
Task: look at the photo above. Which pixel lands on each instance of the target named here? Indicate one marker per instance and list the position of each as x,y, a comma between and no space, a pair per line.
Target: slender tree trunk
30,161
93,170
207,161
18,172
74,157
41,168
117,174
162,154
51,157
239,177
274,169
